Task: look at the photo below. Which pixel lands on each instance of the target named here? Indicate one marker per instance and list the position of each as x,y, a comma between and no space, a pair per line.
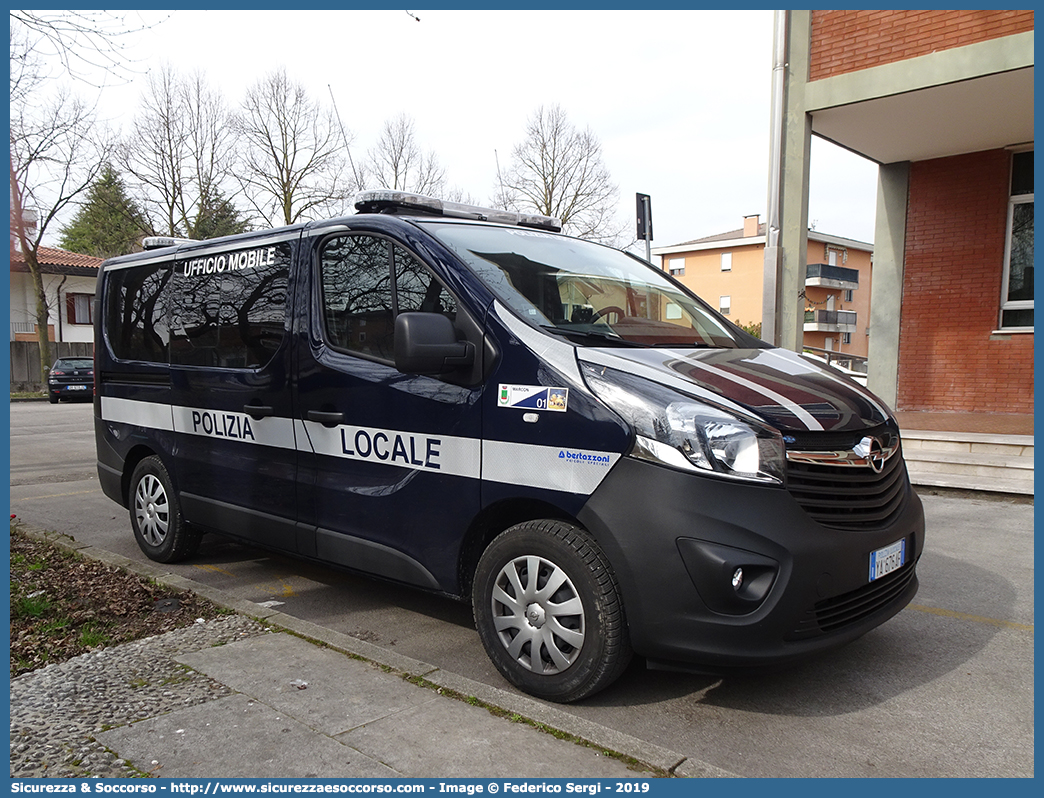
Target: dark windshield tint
74,363
593,293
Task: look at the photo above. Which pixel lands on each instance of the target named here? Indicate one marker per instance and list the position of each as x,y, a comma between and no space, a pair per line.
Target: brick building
943,102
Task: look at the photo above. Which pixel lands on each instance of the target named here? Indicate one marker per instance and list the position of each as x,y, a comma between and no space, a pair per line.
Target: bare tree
57,149
83,41
27,71
180,150
292,164
398,162
211,138
558,171
57,152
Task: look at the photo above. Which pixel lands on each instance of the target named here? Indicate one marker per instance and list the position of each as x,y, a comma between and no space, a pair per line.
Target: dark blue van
465,401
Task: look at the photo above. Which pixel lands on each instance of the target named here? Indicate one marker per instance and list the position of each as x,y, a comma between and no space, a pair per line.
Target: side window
416,289
357,295
136,312
229,310
1017,287
365,282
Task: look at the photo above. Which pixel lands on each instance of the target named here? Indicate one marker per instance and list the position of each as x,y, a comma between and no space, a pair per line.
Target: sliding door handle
327,419
257,412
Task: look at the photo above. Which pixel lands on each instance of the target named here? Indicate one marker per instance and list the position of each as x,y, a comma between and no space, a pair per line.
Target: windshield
585,291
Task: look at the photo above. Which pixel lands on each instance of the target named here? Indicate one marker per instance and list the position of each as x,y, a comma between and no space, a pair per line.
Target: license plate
890,558
76,388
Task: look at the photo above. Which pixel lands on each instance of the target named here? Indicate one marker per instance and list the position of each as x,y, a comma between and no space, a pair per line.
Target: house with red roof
69,282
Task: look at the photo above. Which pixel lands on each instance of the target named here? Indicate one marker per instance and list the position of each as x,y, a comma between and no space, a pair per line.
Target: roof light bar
158,242
389,200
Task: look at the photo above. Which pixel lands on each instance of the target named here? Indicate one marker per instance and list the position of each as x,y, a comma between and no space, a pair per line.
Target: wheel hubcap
151,510
538,615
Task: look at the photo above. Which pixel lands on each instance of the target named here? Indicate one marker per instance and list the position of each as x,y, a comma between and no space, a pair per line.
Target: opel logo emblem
876,458
872,451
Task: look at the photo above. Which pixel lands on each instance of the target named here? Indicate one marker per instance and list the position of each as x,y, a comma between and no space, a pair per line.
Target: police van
465,401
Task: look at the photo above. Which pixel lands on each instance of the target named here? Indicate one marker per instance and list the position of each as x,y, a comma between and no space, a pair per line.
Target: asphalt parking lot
945,689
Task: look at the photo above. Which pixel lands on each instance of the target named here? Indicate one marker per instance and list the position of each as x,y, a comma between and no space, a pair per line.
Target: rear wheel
155,514
52,397
549,613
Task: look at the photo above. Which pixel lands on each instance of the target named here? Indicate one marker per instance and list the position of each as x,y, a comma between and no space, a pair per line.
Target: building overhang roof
970,99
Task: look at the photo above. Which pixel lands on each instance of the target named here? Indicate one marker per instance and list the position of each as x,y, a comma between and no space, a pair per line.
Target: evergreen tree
108,223
217,216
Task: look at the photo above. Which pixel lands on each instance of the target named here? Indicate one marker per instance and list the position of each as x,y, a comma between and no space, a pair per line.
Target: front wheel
549,612
155,514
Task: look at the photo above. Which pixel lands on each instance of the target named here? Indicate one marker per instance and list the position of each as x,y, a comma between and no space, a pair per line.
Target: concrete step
1020,487
948,461
970,461
1017,445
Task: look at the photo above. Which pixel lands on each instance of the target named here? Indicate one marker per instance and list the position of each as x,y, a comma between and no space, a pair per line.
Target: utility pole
770,305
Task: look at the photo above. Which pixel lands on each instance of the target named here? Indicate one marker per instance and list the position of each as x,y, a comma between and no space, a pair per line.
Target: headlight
690,434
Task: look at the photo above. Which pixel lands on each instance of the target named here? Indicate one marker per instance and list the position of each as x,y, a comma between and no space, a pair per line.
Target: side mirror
426,343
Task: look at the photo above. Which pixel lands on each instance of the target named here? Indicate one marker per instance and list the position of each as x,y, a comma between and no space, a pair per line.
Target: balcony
830,321
826,276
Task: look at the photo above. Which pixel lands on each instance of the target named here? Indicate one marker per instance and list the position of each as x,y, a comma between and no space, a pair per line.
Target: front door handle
257,412
326,418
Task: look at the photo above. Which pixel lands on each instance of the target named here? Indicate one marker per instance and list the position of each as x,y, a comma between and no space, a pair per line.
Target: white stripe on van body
443,454
548,467
223,424
829,374
150,415
607,357
553,350
806,418
578,471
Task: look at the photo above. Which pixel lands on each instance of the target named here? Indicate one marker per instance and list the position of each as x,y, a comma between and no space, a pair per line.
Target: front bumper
675,540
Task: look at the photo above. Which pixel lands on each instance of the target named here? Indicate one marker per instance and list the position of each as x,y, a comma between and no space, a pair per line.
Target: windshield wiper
597,335
685,345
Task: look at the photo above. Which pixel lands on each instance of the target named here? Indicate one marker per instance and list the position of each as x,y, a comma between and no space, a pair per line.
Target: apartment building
729,268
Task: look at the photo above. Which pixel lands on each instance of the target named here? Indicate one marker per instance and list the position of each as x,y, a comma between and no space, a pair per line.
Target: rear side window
229,310
365,282
136,312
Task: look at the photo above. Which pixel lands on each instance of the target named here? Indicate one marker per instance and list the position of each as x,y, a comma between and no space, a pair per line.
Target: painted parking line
214,569
963,616
283,590
57,495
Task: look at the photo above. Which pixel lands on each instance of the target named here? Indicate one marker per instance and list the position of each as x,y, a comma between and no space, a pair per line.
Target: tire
52,397
155,514
561,647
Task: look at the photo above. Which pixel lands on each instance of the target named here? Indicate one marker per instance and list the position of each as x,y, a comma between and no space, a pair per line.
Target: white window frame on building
725,304
676,267
726,261
1013,312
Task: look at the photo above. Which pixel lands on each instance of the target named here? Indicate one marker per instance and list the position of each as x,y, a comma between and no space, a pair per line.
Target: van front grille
834,614
846,497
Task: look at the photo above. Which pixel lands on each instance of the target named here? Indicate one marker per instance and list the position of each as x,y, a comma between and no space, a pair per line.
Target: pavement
298,700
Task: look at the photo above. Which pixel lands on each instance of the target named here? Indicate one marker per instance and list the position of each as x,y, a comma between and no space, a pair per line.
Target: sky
680,100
